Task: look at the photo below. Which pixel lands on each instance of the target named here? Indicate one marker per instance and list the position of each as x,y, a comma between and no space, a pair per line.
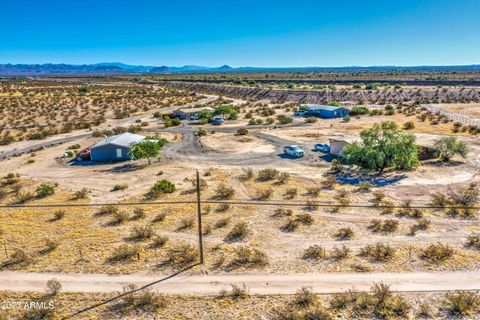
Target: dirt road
257,283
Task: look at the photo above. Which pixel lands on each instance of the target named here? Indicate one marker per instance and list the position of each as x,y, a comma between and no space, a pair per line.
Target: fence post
199,217
6,251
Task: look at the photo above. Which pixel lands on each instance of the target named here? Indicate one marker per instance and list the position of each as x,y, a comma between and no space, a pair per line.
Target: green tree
448,147
227,111
383,146
145,149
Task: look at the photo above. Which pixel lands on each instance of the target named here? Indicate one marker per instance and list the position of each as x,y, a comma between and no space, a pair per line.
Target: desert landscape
320,236
240,160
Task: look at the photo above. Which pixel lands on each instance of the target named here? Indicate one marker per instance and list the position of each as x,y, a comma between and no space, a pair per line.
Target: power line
307,203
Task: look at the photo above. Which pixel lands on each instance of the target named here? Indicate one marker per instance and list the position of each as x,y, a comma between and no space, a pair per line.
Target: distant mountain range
120,68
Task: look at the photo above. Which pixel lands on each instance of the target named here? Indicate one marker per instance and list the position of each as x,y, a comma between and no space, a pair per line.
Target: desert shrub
378,197
311,120
313,192
119,187
140,302
329,183
58,215
237,292
222,222
435,253
378,252
422,224
386,226
125,252
304,297
281,212
44,190
314,252
386,207
340,253
159,217
291,193
138,233
304,218
267,174
159,241
207,229
342,198
242,131
283,119
263,194
461,303
290,226
181,254
409,125
201,133
238,232
473,241
18,257
364,186
425,311
39,314
223,207
161,187
23,196
439,200
53,287
283,178
311,205
49,246
224,192
119,217
186,223
81,194
344,234
108,210
138,214
249,258
247,174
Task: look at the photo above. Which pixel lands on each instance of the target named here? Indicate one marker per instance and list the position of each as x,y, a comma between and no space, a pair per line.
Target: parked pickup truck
322,147
293,151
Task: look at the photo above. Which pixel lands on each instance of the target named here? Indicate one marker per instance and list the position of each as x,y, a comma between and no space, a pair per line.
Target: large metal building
114,148
323,111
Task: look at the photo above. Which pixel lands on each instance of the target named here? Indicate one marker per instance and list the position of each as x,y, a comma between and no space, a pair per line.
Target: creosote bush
378,252
344,233
223,192
239,232
44,190
181,254
267,174
249,257
461,304
436,253
161,187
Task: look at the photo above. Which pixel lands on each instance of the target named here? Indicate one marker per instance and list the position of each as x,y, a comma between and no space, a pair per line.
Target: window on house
119,152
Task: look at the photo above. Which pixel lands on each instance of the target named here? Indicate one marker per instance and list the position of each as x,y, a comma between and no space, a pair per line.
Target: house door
119,153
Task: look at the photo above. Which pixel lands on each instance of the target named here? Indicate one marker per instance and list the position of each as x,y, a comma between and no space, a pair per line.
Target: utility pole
199,213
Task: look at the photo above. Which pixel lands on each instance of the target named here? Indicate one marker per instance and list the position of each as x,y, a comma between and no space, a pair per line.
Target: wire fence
82,244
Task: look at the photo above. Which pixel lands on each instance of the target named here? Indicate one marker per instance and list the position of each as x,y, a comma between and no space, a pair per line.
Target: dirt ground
212,307
86,240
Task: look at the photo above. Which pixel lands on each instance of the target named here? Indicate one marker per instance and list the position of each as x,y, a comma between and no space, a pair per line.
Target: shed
324,111
336,147
190,113
114,148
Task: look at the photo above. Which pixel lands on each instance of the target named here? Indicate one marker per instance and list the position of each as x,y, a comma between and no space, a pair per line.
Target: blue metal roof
322,107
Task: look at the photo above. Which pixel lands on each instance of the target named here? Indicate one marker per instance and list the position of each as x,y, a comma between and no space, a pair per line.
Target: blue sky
241,33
